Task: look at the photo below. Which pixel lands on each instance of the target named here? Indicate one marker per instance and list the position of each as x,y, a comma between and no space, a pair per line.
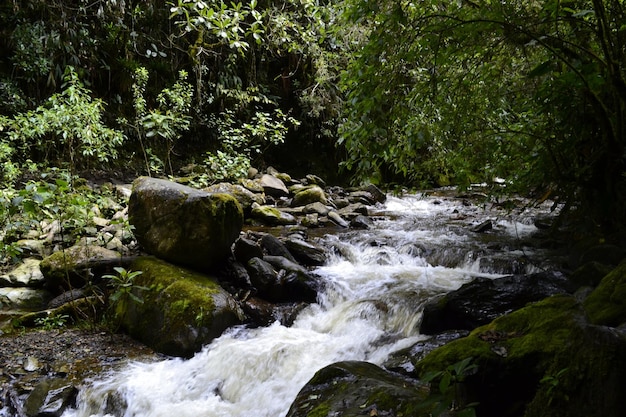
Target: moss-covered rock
244,196
184,225
309,195
606,305
359,388
542,360
272,216
181,310
74,266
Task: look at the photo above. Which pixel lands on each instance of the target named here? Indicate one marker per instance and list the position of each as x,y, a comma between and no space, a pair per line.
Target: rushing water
377,282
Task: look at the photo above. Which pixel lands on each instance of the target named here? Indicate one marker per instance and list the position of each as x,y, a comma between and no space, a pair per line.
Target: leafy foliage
70,120
123,284
465,91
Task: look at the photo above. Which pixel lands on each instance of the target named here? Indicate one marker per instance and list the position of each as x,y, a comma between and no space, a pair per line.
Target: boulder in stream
355,388
184,225
545,359
485,299
179,310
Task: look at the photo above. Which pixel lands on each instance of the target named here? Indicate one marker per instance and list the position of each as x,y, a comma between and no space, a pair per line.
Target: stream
377,282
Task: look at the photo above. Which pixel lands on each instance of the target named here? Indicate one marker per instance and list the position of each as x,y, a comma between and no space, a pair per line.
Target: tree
532,91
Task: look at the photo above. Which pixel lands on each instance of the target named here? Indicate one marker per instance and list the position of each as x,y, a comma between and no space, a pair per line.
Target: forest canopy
401,93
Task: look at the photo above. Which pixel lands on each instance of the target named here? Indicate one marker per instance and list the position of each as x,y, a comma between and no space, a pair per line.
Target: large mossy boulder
359,389
184,225
606,305
179,310
484,299
545,359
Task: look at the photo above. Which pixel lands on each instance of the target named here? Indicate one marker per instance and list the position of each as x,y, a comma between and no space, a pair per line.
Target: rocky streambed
452,277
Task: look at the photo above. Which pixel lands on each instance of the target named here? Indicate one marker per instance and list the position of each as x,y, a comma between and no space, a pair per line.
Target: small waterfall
377,283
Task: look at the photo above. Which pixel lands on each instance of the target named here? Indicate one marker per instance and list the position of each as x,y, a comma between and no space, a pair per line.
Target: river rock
244,196
184,225
317,208
606,305
27,274
307,253
245,249
273,186
309,195
361,222
75,266
484,299
24,299
337,219
545,359
274,246
263,313
272,216
50,397
354,388
180,310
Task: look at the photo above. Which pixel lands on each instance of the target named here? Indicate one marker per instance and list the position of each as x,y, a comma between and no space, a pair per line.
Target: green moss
321,410
606,305
181,309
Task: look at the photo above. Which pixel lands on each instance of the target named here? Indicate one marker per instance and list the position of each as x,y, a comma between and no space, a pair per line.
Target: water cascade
376,284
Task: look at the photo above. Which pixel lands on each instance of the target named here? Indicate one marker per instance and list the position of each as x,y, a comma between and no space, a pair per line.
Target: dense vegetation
417,94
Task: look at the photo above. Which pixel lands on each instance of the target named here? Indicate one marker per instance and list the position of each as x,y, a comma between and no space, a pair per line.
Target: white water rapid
377,283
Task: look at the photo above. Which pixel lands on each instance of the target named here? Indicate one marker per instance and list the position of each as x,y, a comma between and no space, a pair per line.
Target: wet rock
545,359
27,274
482,227
23,299
246,249
377,195
274,246
606,305
307,253
359,388
361,222
181,310
337,219
273,186
184,225
264,278
484,299
50,397
264,313
404,360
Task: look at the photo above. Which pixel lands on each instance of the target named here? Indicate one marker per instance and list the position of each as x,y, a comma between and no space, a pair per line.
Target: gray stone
273,186
27,274
337,219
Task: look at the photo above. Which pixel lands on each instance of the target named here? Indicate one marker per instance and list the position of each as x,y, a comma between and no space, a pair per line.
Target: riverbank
76,354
